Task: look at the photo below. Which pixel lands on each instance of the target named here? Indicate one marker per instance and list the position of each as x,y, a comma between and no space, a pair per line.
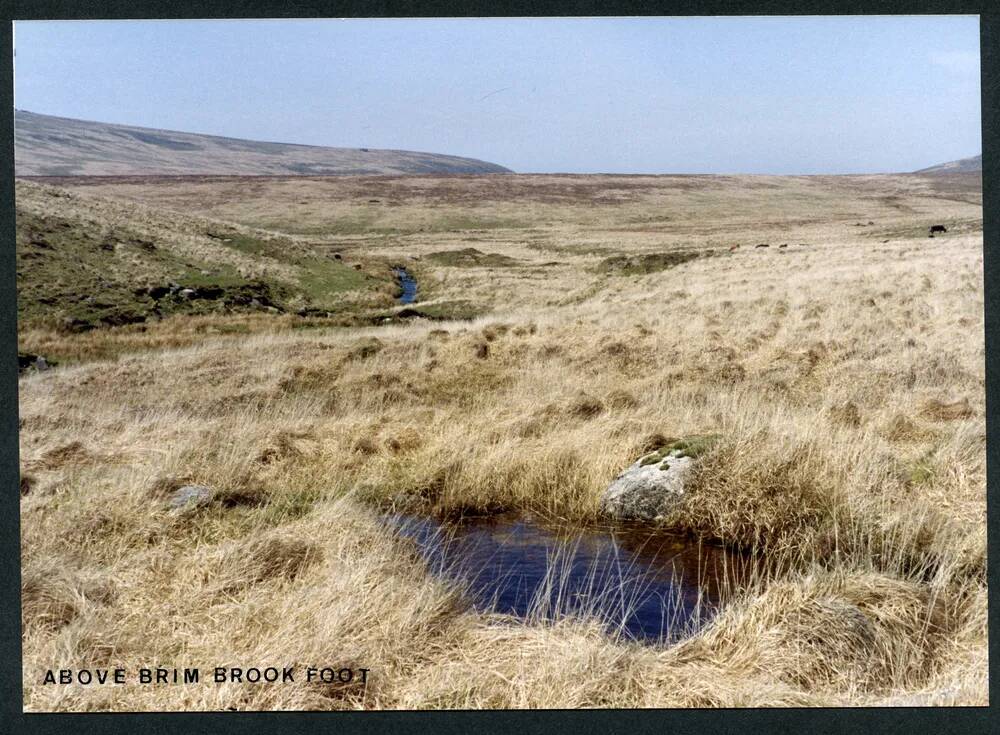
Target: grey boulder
646,492
190,497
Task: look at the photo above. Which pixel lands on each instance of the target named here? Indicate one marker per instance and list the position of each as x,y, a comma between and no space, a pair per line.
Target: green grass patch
321,279
471,257
692,446
922,470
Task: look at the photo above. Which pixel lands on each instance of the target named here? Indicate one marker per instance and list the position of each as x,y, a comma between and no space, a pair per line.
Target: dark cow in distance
937,228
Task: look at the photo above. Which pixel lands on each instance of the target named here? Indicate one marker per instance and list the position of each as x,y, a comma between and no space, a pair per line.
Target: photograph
468,363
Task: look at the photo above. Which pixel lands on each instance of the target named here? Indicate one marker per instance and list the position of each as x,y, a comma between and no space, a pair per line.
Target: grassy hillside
45,145
85,262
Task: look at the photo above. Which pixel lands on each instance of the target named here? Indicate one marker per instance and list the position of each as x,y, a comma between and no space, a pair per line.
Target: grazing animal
937,228
733,248
762,245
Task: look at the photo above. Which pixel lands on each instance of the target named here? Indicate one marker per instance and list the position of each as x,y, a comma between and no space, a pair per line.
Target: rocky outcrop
27,361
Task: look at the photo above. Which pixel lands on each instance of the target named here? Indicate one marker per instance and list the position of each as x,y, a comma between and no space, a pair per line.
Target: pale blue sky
645,95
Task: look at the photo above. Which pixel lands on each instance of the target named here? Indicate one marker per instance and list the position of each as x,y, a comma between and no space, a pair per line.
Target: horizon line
437,153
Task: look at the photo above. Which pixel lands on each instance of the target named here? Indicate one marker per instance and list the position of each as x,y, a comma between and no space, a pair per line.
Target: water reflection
645,585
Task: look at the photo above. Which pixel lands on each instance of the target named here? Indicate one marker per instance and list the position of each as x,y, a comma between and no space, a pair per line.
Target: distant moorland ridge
961,166
57,146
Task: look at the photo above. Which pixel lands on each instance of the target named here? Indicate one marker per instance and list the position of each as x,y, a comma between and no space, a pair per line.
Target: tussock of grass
470,257
53,595
631,265
939,410
458,310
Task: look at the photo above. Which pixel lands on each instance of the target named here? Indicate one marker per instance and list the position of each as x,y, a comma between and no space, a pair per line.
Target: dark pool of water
408,284
643,585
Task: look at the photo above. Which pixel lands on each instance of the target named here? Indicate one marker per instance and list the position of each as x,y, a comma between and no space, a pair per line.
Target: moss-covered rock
654,484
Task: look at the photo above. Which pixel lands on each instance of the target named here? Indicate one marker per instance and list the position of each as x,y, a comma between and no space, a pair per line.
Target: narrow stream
408,284
643,585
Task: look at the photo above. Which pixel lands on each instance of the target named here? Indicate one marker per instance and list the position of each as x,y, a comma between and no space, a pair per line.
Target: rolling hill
59,146
961,166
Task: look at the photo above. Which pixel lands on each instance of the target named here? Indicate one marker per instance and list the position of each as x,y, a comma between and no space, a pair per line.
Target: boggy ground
844,374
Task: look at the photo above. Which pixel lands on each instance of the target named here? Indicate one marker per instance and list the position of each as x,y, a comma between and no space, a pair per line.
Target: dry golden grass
845,377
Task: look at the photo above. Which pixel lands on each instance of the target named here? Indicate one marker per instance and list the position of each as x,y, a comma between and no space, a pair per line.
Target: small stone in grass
190,497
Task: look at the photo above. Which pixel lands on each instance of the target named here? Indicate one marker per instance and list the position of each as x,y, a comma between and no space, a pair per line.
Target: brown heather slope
843,372
45,145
